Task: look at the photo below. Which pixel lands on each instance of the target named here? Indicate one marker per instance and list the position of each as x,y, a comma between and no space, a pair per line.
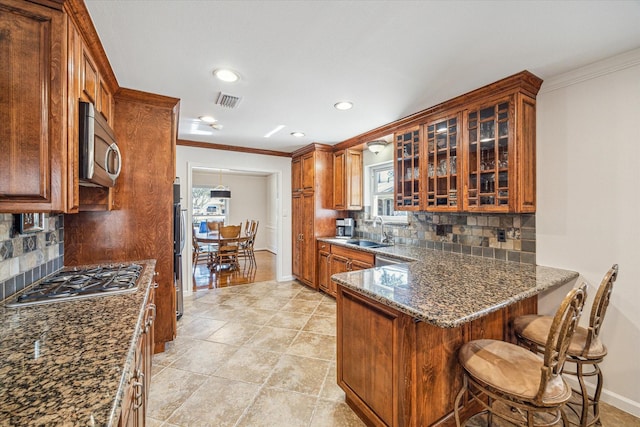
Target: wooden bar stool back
586,348
515,384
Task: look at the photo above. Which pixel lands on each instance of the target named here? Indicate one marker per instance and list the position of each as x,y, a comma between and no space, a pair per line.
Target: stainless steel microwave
100,159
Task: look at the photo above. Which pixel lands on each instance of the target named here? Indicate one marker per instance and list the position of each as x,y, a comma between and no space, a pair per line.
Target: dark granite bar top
68,363
448,289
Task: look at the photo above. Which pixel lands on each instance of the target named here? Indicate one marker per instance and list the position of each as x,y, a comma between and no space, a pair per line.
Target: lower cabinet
399,372
333,259
136,396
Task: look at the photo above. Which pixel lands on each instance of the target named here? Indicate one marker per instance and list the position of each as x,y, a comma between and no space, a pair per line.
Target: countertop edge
448,323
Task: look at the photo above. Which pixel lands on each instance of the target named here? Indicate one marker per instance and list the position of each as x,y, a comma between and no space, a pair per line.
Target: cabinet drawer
353,254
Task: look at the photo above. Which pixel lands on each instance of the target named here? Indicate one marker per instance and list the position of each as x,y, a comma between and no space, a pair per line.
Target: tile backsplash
468,233
26,258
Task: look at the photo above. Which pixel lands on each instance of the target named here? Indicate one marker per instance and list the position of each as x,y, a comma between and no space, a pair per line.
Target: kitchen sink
365,243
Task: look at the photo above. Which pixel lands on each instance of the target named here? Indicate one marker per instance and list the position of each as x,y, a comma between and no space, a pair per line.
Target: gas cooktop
74,283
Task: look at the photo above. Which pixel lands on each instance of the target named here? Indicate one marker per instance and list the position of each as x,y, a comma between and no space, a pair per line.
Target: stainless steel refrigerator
179,235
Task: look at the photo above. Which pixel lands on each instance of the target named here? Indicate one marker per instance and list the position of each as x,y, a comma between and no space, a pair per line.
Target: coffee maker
345,227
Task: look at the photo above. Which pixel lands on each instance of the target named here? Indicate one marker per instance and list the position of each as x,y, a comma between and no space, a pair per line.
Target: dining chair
201,252
214,226
246,246
228,247
586,347
515,384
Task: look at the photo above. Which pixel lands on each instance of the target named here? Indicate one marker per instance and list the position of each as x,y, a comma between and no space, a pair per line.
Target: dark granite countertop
448,289
68,363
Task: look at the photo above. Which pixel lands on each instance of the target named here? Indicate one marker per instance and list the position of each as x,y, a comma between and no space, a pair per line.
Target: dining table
213,238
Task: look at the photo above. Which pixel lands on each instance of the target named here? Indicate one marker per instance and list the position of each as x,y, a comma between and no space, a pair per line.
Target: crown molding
606,66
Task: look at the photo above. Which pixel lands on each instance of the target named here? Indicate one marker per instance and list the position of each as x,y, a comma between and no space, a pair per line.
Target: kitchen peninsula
400,327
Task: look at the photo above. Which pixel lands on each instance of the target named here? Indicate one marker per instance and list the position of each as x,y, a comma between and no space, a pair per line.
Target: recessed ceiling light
297,134
226,75
208,119
216,126
343,105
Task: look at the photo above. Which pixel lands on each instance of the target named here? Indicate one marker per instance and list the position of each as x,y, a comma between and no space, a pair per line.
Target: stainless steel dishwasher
382,260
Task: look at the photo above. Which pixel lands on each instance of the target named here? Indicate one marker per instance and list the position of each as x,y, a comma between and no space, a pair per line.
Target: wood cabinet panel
308,239
367,335
347,180
308,166
439,375
324,268
296,175
32,111
339,177
88,77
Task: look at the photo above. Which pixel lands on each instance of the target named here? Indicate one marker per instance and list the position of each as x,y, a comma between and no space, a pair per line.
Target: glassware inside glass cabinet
488,151
442,164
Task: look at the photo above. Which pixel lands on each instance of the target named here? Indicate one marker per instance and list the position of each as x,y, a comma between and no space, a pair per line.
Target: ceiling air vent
227,101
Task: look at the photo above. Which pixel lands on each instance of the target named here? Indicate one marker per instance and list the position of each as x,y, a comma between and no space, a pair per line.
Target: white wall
277,206
588,214
269,229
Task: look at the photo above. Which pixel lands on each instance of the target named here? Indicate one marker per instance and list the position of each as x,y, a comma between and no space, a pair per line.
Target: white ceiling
298,58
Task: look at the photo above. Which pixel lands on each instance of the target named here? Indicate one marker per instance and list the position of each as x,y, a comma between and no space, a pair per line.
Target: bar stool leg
585,396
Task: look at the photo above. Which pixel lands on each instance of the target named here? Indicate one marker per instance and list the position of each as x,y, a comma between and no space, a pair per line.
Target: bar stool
586,348
515,384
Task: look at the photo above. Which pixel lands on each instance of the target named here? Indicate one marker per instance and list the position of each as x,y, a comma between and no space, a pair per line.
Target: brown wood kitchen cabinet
406,156
347,179
32,108
333,259
472,153
88,82
442,183
51,66
136,396
500,155
312,168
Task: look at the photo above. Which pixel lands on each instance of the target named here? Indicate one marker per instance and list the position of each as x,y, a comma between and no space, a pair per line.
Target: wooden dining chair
515,384
246,246
586,347
228,247
213,226
201,252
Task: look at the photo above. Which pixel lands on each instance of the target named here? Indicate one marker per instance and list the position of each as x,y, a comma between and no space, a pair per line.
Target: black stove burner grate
74,283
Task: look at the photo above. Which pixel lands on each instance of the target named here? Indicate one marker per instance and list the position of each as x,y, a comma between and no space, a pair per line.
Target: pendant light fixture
220,192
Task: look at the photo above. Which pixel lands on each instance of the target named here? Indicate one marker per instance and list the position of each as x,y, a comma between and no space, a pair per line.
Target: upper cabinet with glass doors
499,153
443,149
407,169
472,153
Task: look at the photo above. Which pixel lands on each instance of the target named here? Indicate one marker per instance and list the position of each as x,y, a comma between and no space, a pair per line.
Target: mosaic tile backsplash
467,233
26,258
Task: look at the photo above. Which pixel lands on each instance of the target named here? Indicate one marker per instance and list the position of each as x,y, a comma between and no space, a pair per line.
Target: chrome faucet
382,235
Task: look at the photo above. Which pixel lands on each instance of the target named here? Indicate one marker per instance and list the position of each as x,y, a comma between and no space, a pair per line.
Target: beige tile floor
251,355
261,354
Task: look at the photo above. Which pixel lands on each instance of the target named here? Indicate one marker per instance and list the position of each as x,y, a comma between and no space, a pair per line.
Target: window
381,193
207,209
